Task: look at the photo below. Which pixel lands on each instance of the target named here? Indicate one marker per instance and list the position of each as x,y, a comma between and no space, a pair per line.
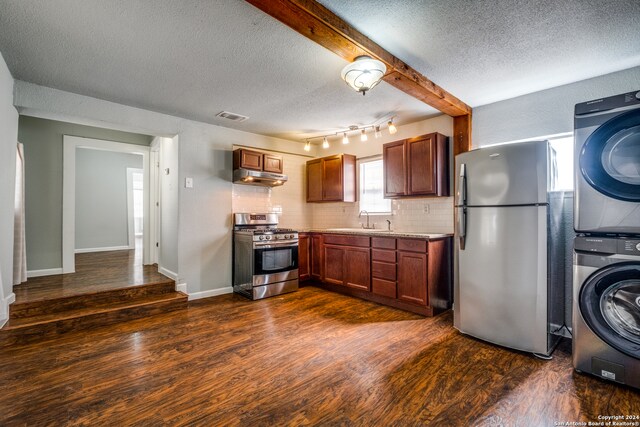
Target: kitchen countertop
378,233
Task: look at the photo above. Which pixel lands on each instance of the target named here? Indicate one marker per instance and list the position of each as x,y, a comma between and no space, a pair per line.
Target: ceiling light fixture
307,146
325,143
364,73
392,128
345,140
378,134
363,136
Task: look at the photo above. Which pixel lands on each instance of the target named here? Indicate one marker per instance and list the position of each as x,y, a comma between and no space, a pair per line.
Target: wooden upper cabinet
255,160
314,180
395,180
247,159
417,167
332,179
272,163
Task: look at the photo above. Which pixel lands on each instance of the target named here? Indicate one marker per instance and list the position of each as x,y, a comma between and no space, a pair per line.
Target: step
48,326
94,299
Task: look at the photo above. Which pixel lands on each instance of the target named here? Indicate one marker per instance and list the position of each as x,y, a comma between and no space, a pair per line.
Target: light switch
188,183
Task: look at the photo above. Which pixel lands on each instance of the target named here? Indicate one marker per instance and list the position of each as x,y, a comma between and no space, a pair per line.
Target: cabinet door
412,277
332,179
314,180
421,166
334,264
272,163
394,161
358,272
251,160
317,256
304,272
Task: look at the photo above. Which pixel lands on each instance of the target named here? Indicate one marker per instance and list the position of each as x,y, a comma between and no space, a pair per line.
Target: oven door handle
268,245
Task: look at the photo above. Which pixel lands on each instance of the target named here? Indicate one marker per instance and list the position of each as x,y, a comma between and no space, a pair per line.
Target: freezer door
507,174
501,277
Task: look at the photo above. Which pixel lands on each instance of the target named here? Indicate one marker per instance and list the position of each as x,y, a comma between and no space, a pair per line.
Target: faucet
367,214
388,225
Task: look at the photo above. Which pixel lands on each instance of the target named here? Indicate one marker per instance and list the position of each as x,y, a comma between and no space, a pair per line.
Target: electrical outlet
188,183
427,208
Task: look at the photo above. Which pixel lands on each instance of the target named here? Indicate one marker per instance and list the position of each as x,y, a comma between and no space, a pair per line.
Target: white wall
169,202
544,113
8,141
101,198
204,211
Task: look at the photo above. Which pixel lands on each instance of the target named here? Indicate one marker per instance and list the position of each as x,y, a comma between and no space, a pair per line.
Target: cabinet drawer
383,270
339,239
383,243
383,255
412,245
383,287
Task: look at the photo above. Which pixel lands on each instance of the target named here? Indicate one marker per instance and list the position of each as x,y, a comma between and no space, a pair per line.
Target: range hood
252,177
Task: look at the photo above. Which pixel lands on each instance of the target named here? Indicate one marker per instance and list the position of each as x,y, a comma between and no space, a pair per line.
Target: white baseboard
181,287
45,272
211,293
4,310
104,249
170,274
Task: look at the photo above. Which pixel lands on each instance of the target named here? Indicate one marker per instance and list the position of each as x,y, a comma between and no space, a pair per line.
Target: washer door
610,305
610,157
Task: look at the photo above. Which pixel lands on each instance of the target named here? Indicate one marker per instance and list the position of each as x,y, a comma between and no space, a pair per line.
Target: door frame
131,233
70,144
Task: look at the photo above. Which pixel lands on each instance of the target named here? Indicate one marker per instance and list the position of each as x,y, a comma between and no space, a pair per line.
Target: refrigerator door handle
462,186
462,226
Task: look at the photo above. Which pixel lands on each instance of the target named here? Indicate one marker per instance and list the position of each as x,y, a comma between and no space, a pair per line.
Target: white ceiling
194,59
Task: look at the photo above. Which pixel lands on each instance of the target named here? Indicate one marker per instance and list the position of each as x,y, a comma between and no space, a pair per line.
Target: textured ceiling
194,59
487,51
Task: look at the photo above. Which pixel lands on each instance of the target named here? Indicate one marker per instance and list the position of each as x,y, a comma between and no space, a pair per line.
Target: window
372,188
564,160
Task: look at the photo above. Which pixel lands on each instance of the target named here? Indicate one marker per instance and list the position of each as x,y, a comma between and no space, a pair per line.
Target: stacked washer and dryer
606,261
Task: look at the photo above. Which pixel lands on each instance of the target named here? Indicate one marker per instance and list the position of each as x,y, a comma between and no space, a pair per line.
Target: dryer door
610,305
610,157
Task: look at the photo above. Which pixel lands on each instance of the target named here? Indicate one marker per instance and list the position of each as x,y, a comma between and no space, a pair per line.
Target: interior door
501,285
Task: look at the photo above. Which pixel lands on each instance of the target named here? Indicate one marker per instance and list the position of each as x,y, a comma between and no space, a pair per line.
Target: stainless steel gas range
265,257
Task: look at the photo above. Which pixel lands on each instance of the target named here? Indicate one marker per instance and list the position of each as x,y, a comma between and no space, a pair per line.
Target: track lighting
325,143
345,140
307,146
363,136
392,127
377,134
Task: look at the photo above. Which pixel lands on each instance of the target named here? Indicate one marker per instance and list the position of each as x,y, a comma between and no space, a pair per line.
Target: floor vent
232,116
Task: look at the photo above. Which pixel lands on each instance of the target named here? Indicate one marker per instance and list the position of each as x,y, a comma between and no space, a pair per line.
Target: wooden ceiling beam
316,22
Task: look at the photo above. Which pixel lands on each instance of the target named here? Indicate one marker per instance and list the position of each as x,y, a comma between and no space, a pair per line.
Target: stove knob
289,236
267,237
261,237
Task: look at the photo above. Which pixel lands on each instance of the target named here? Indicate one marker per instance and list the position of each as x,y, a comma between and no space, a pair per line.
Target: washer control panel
607,245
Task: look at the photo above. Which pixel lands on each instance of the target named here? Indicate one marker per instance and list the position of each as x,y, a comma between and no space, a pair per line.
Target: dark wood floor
308,358
95,272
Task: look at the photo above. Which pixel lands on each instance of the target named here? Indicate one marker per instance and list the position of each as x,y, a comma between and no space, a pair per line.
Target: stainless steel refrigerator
507,256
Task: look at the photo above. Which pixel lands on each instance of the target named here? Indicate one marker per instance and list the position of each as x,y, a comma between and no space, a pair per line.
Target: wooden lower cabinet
304,258
347,266
317,256
412,277
358,268
411,274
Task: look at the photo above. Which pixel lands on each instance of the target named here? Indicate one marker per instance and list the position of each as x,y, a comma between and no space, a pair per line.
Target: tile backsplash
433,215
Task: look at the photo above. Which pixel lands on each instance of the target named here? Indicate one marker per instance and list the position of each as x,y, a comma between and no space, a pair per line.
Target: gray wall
8,141
42,141
547,112
101,197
